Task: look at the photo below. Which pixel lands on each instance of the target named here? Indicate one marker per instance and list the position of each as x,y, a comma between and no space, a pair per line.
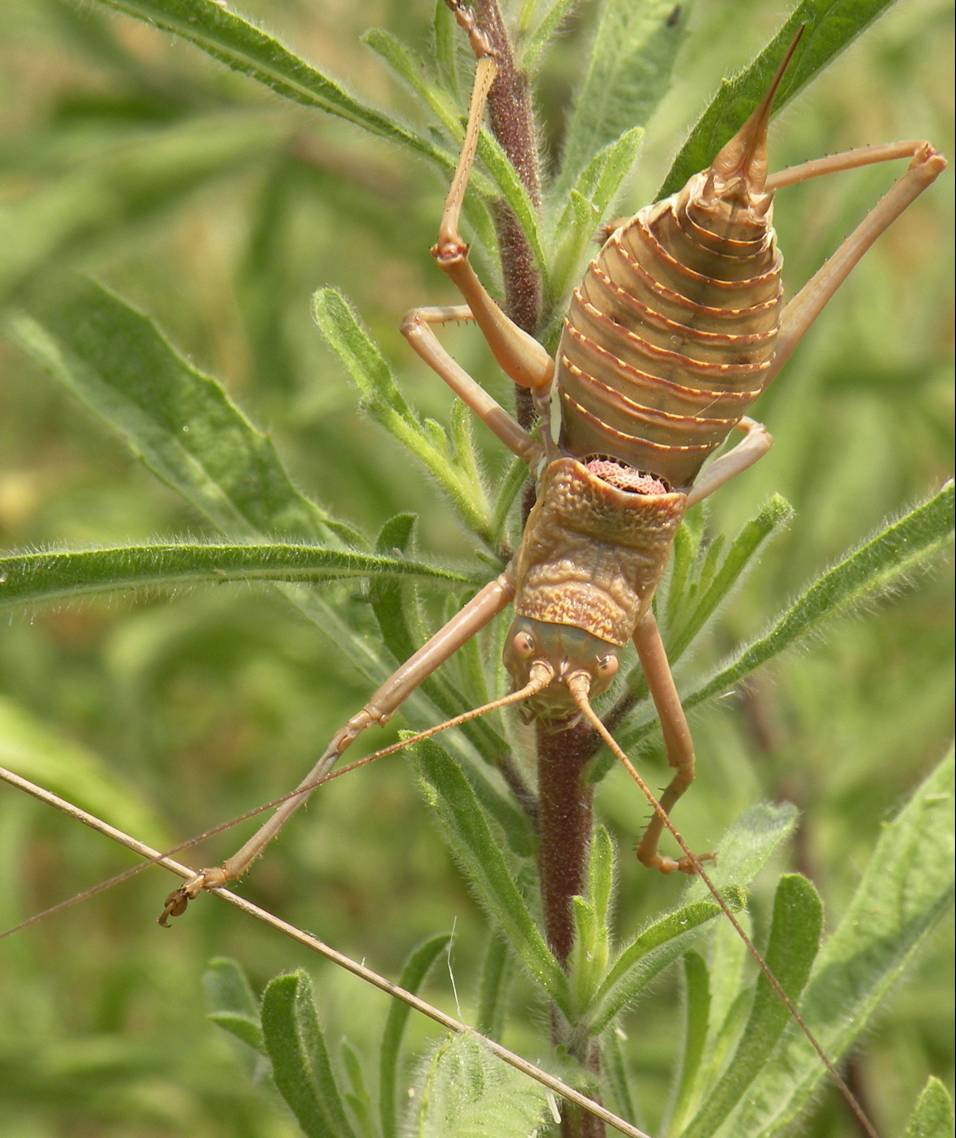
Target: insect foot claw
178,901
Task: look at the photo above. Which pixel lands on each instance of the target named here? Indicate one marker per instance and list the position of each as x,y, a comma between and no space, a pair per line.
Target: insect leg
804,308
417,328
844,160
677,743
478,612
756,442
518,353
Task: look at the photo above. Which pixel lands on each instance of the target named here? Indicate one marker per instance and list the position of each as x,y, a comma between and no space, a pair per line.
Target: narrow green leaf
220,32
35,750
357,1096
414,971
246,1029
830,26
445,31
107,201
870,570
382,398
493,991
187,431
659,945
933,1115
747,846
31,578
300,1060
601,874
906,890
509,489
179,420
696,1022
478,852
227,988
618,1075
408,66
719,583
629,71
467,1092
865,572
794,941
531,53
588,202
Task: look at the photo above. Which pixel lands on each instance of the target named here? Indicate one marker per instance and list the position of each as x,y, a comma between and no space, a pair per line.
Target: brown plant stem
564,800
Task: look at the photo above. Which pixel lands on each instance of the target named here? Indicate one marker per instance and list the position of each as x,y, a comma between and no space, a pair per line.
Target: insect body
676,328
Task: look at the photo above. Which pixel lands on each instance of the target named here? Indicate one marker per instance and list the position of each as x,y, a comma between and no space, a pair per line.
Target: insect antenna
579,685
541,676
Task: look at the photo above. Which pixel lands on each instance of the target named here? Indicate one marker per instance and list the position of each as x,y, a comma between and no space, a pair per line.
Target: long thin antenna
579,685
360,970
540,679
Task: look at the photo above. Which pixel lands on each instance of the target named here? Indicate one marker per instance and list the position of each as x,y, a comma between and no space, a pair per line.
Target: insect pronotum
677,327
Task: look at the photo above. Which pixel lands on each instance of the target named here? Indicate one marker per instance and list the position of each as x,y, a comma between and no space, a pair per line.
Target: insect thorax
592,554
671,332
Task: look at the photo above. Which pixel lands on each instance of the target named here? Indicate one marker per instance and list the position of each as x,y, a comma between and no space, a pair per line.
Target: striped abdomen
671,333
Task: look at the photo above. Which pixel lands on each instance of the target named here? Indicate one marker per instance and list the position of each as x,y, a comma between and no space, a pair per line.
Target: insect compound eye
607,666
523,644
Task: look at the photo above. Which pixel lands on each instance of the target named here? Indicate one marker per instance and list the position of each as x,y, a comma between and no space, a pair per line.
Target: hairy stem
564,801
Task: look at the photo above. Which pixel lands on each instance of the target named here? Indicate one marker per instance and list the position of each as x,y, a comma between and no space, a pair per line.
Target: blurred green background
190,708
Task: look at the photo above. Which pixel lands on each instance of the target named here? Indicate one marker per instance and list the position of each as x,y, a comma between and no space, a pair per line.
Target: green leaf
933,1115
410,69
415,969
830,26
445,31
480,856
906,890
531,53
36,751
107,201
659,945
873,568
384,401
226,36
747,846
300,1061
628,73
467,1092
587,204
30,578
717,584
187,431
591,914
357,1095
794,940
696,1018
495,981
179,420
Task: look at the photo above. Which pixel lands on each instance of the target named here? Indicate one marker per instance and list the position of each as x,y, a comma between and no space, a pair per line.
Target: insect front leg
519,355
756,442
478,612
678,744
809,302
